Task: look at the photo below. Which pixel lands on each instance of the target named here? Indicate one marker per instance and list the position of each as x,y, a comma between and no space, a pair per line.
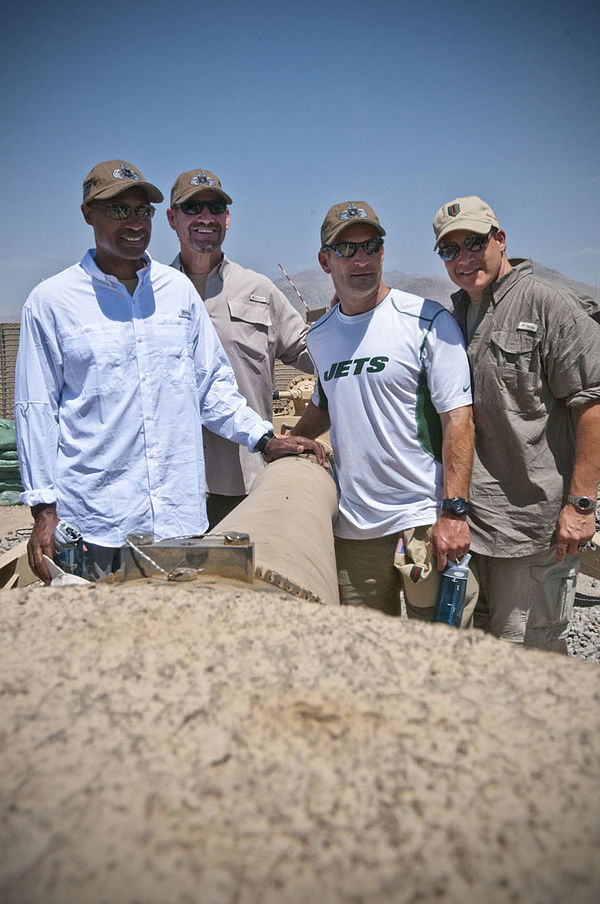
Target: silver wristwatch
583,504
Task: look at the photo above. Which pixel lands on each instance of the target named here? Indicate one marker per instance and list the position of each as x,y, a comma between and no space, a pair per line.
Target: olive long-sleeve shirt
534,352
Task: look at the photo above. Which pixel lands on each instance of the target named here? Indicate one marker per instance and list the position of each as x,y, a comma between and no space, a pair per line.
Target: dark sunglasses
119,210
192,208
475,242
349,249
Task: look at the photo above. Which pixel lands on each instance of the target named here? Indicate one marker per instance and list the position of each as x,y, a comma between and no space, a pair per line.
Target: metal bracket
230,555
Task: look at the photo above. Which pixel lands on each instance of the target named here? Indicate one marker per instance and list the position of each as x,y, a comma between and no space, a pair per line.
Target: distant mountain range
316,287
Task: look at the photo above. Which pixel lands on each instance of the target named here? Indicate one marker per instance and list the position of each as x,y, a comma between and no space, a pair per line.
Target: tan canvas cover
289,515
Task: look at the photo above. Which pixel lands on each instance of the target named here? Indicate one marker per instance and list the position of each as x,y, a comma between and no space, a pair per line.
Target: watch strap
260,446
456,505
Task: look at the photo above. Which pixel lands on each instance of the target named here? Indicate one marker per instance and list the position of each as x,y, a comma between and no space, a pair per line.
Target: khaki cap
194,181
469,212
112,177
345,214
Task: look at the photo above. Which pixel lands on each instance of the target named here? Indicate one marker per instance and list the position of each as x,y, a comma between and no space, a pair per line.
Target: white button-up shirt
111,393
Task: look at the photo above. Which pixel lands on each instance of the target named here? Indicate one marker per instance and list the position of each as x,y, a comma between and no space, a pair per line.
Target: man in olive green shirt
253,319
534,352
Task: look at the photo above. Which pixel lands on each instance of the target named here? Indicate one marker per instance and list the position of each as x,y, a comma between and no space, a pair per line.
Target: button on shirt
111,392
256,324
534,352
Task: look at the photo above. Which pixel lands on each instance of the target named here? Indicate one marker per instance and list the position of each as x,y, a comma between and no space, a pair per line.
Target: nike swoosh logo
466,388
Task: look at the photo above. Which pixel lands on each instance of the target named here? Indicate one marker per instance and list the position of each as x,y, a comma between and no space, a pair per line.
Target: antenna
293,287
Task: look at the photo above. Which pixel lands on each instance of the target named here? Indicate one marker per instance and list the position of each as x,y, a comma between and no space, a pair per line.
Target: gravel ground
584,631
188,743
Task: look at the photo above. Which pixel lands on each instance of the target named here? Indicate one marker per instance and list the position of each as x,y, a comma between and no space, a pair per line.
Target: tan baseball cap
112,177
191,183
464,213
345,214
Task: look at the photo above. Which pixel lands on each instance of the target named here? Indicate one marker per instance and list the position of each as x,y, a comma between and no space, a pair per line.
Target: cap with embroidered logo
112,177
345,214
191,183
469,213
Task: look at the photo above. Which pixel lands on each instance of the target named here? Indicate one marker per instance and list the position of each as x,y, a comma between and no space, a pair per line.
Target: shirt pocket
95,359
172,353
514,357
250,324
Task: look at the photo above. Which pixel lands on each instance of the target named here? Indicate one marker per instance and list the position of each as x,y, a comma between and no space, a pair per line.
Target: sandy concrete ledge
168,744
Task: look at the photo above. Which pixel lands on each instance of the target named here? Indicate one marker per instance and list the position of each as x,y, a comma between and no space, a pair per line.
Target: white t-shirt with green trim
385,376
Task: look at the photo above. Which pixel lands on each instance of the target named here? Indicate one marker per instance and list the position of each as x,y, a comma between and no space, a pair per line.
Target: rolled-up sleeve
573,358
38,387
291,335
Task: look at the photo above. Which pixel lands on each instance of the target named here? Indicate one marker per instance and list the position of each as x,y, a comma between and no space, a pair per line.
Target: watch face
583,503
456,505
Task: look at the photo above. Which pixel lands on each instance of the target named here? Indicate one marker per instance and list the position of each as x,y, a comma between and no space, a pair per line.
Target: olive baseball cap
345,214
112,177
469,212
191,183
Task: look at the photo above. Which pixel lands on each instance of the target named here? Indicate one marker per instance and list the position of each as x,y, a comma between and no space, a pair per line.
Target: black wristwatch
260,446
457,505
583,504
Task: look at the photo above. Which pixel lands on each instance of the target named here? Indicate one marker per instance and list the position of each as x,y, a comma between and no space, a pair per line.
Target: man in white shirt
393,386
253,319
118,369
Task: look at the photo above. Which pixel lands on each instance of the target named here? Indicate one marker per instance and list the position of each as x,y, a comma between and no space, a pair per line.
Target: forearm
457,451
450,536
574,527
225,411
313,422
586,470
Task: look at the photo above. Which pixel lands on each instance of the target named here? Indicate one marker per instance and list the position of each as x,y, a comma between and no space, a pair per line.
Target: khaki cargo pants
373,572
528,600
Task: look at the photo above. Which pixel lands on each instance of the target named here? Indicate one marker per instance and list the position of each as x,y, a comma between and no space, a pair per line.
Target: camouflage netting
10,479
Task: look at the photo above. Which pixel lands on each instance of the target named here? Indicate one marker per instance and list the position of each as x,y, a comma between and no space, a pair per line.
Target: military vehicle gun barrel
281,535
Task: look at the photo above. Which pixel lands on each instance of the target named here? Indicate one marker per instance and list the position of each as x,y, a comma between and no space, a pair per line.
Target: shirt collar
520,267
218,270
93,270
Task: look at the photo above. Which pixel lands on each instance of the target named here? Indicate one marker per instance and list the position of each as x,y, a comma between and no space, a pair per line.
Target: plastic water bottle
68,548
451,595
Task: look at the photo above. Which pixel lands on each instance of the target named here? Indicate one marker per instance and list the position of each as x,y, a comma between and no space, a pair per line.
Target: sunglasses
475,242
119,210
193,208
349,249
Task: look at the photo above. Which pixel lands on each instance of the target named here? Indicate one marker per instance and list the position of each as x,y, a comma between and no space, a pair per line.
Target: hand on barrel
279,446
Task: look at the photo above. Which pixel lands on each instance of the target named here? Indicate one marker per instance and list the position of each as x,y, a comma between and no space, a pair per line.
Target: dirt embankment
195,743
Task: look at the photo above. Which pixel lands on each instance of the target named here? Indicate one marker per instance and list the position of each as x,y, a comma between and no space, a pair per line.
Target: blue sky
296,106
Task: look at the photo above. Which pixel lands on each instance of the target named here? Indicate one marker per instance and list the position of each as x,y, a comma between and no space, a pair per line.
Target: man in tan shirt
534,352
254,320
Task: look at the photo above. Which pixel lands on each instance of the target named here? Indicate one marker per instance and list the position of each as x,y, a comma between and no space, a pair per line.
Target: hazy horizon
297,107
